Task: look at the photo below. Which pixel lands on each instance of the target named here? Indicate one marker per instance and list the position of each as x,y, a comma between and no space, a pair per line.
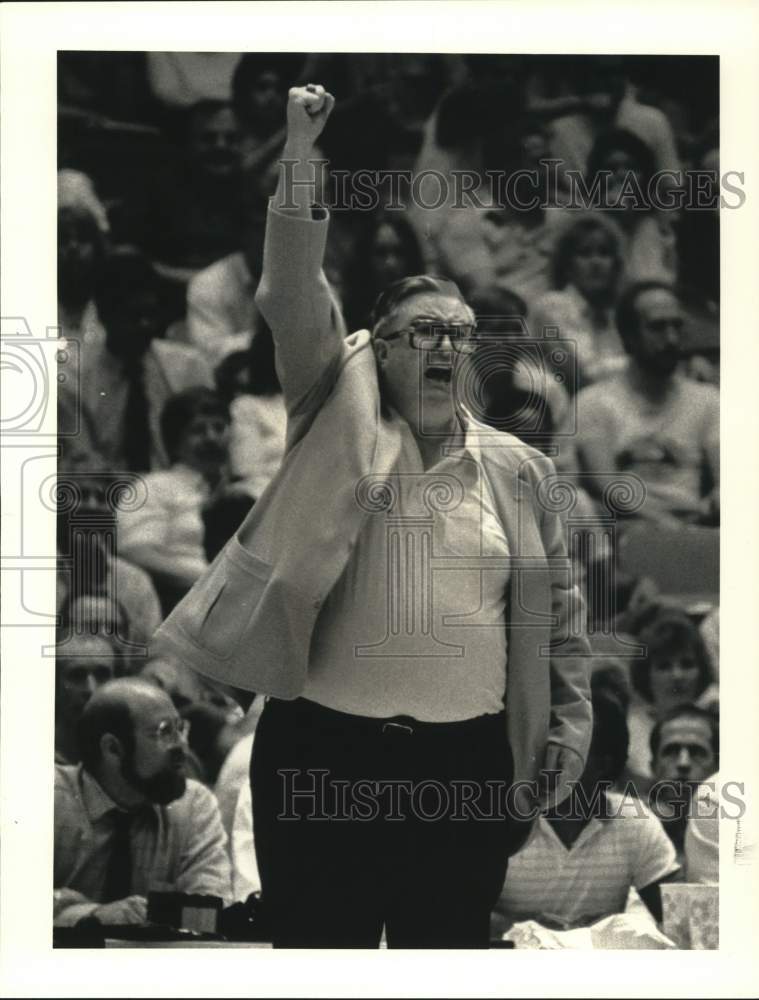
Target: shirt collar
473,431
95,800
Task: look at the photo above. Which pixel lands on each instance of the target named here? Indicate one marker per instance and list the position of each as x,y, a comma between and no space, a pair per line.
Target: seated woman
584,857
165,536
676,671
587,265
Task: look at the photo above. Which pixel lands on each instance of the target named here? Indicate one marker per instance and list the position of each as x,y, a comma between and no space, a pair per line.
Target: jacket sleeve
571,718
295,300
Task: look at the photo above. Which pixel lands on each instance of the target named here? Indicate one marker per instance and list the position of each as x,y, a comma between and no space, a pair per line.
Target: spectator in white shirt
651,421
585,855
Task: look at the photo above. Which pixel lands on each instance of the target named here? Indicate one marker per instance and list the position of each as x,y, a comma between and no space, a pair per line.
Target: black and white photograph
362,504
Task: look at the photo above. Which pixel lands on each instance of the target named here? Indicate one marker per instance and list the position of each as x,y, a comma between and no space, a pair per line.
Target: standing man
403,598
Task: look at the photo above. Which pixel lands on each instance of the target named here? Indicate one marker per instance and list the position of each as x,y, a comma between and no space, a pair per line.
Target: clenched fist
308,109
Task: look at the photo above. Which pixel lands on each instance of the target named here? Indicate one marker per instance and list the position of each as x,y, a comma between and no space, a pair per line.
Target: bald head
115,708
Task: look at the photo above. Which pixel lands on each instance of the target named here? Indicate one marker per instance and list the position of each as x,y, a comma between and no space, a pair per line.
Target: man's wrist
298,149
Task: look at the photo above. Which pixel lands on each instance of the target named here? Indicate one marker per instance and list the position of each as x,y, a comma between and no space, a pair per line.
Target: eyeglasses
429,336
169,731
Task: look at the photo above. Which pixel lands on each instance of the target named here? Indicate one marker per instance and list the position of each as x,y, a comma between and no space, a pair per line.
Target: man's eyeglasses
169,731
429,337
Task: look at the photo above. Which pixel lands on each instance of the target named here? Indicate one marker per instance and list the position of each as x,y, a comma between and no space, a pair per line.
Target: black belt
397,725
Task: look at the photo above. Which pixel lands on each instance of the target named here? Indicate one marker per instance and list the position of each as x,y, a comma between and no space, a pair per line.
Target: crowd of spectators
166,162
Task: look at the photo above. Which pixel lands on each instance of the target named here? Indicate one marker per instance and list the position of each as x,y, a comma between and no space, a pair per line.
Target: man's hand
132,910
308,109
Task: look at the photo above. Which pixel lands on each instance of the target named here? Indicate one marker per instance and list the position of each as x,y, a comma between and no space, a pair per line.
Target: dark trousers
362,823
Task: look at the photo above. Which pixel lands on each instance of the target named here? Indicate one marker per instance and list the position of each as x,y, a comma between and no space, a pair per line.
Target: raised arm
294,296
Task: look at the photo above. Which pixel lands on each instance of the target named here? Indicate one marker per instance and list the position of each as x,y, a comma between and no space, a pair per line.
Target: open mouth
438,373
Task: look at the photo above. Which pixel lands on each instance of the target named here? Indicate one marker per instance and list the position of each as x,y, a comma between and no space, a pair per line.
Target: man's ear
110,747
380,350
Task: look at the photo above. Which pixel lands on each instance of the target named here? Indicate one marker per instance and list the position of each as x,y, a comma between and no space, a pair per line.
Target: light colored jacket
249,621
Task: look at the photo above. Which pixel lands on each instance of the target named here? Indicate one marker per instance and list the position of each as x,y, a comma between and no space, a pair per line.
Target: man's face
82,673
204,445
133,326
157,766
215,143
657,345
419,383
674,679
685,751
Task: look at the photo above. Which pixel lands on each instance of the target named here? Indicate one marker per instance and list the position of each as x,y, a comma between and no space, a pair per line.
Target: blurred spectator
259,419
503,248
183,686
259,96
127,820
583,857
165,535
674,672
123,385
82,666
181,79
82,232
608,101
397,96
649,419
587,265
650,245
89,571
498,236
221,312
385,250
684,751
193,215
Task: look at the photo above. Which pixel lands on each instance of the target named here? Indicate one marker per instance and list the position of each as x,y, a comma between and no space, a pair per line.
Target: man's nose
683,760
673,335
91,684
443,344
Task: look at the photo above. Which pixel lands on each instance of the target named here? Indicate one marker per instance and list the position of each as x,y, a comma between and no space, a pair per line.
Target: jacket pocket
226,600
